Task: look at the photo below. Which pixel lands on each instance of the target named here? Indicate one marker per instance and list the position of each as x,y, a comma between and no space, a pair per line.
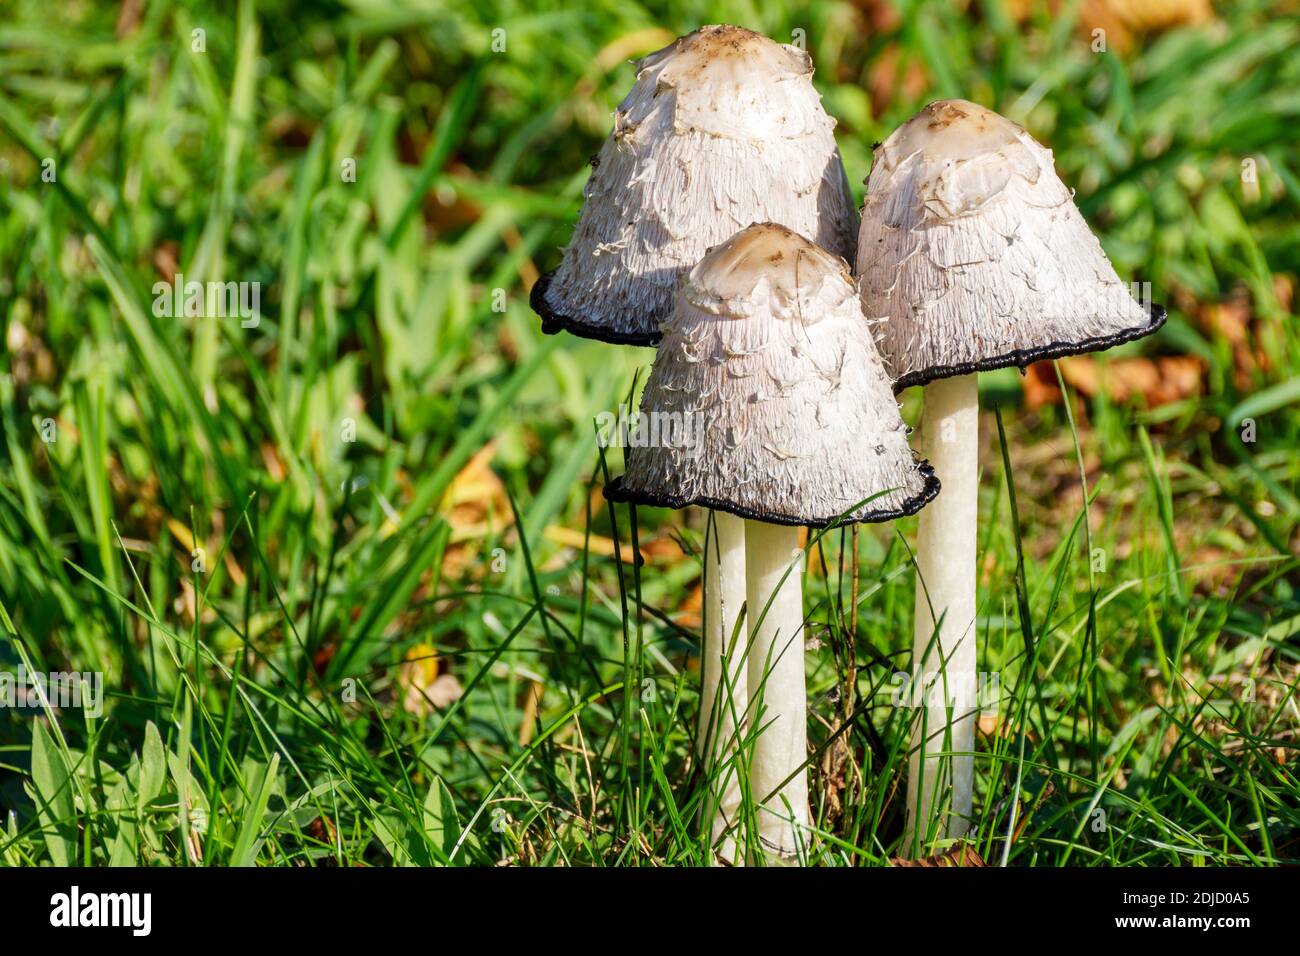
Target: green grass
1147,646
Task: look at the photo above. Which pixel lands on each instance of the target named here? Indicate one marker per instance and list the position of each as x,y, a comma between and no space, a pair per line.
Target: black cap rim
554,322
616,491
1022,358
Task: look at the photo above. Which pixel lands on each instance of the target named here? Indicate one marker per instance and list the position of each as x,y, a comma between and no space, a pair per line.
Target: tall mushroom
723,128
767,352
974,254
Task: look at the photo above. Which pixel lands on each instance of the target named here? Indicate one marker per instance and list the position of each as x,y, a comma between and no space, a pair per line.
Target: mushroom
724,687
767,350
723,128
973,253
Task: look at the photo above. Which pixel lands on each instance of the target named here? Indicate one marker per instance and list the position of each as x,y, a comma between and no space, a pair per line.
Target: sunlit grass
250,531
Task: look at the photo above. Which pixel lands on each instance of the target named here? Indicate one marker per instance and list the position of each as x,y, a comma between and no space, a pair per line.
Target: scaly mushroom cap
973,252
723,128
769,377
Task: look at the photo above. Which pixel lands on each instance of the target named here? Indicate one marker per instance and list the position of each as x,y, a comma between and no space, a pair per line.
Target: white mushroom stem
944,676
778,705
724,690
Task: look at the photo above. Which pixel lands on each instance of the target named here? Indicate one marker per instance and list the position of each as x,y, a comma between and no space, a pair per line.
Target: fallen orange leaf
963,854
1158,381
425,688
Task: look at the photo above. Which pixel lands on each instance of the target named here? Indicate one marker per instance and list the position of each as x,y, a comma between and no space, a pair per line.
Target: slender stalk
776,685
724,691
943,654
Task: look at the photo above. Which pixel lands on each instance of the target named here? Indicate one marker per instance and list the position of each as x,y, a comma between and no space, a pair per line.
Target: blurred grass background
348,574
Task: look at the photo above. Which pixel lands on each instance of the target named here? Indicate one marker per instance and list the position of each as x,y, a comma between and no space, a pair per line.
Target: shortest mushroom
768,363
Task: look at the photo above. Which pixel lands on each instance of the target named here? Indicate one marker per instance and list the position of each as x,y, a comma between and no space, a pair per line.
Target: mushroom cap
972,251
769,378
723,128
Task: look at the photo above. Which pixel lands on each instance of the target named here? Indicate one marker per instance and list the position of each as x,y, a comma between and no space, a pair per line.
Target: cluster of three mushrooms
971,256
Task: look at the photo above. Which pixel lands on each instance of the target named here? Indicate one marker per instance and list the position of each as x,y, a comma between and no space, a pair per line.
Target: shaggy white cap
769,369
723,128
972,251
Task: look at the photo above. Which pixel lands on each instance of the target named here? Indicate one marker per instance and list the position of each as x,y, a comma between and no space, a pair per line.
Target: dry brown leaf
476,502
424,687
475,506
1019,10
274,465
996,725
1231,321
1176,377
989,566
445,691
182,534
186,605
963,854
1122,20
1159,381
31,360
881,16
166,259
1284,289
1040,386
322,829
596,501
887,83
128,18
658,550
662,549
1149,15
194,838
690,613
834,777
532,700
